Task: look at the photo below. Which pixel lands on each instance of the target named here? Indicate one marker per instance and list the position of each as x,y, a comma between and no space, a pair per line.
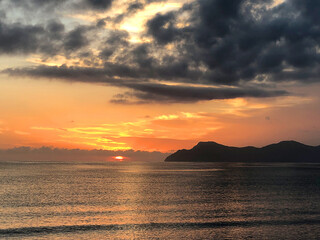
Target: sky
158,75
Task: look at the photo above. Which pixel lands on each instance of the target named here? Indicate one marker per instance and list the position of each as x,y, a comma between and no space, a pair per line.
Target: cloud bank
48,154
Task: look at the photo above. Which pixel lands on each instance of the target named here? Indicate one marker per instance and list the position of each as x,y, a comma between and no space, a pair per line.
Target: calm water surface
159,201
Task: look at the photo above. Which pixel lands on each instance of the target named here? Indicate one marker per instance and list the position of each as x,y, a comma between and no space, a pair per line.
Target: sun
119,158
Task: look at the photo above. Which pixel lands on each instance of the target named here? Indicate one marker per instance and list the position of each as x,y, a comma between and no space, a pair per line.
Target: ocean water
159,201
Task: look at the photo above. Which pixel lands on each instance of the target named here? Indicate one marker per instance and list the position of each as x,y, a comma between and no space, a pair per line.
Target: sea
160,200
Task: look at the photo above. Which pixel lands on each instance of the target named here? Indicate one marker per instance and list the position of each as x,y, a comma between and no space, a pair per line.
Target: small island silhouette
285,151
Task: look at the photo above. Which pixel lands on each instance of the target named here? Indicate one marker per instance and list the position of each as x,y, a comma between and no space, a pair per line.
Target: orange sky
77,113
52,113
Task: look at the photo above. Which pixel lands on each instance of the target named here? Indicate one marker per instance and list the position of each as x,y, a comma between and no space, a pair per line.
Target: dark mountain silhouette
286,151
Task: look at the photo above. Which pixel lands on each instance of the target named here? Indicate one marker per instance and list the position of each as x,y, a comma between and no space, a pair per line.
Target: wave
149,226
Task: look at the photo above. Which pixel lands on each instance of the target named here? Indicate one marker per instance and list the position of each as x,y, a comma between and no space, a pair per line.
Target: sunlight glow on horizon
63,90
178,128
119,158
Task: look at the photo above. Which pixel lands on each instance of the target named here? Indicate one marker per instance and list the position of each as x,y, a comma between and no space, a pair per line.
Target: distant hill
286,151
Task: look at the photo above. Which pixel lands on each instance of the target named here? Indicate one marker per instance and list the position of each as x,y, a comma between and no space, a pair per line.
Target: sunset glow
154,76
119,158
167,119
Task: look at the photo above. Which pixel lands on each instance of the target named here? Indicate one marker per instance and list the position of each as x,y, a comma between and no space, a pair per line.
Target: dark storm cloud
131,9
98,4
152,92
309,8
145,91
116,39
135,6
144,69
240,40
161,27
17,38
37,4
76,39
50,39
55,27
61,72
50,5
235,43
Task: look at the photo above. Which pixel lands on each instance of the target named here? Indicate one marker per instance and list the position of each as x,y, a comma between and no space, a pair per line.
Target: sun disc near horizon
119,158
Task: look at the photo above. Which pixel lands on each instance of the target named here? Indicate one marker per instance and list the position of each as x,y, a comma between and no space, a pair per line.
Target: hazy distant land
286,151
